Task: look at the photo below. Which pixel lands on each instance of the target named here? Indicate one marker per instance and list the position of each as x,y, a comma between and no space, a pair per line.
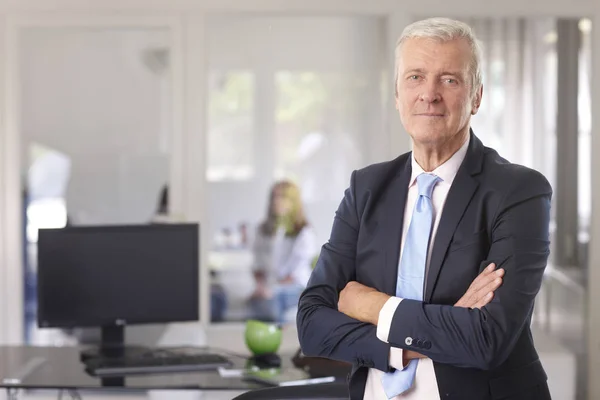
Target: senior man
428,280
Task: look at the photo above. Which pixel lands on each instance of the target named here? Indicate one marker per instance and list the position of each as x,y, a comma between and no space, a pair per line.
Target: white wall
296,42
91,94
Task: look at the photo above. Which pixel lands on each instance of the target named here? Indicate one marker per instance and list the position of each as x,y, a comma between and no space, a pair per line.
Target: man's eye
413,77
451,81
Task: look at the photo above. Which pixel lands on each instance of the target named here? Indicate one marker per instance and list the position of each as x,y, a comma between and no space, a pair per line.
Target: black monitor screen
117,275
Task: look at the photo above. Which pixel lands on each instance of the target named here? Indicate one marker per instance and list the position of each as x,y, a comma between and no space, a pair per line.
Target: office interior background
106,106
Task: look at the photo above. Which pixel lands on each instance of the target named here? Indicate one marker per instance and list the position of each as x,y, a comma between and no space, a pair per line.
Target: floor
564,296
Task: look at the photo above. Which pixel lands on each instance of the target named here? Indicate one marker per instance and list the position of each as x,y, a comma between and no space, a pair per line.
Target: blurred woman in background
284,249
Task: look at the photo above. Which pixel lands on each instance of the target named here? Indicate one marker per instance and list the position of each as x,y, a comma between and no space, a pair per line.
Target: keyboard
157,362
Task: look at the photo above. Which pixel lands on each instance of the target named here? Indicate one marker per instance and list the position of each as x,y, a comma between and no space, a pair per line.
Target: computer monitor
112,276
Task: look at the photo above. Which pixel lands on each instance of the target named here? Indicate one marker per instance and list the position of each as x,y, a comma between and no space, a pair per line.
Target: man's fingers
485,273
491,286
487,276
480,293
476,298
485,294
485,300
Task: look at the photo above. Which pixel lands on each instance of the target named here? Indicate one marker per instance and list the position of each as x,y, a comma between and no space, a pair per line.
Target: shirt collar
447,171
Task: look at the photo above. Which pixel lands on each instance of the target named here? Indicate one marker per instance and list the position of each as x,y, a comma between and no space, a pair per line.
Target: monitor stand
112,345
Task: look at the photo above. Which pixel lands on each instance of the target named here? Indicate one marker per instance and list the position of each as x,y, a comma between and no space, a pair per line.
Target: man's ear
477,100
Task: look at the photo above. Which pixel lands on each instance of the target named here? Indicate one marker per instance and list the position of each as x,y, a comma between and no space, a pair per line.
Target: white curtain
517,116
518,113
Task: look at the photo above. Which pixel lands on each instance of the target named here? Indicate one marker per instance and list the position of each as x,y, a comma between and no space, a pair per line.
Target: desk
25,367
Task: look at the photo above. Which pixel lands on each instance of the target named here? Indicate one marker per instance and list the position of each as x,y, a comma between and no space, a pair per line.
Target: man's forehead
458,43
426,54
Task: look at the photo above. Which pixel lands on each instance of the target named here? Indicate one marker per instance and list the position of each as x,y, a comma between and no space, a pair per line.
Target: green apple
262,337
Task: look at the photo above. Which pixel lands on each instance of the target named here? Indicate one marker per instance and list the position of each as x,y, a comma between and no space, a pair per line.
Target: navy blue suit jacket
495,212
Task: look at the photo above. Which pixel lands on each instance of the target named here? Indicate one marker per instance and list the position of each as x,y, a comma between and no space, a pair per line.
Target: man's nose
431,92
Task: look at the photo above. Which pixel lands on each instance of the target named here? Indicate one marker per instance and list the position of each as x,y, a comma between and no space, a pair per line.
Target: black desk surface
28,367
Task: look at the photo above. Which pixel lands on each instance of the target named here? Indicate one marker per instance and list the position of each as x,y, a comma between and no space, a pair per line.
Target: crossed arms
461,335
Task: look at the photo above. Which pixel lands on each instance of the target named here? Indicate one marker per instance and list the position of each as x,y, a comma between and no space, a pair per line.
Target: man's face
434,89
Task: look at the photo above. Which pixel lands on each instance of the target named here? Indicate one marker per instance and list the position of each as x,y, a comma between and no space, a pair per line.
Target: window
321,125
230,126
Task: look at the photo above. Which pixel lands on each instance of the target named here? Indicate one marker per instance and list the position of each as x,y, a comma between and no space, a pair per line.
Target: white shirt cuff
385,318
396,358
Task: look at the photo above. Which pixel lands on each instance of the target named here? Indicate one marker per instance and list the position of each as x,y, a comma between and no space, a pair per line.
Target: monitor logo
120,322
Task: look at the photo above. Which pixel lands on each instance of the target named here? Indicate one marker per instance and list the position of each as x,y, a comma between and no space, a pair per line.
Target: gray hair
444,29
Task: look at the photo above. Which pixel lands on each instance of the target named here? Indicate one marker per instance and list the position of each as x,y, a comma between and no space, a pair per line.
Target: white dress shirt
425,384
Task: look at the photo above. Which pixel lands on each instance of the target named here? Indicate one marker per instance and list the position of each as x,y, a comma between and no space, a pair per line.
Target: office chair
326,391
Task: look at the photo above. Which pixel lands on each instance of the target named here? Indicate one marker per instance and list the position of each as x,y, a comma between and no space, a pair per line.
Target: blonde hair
444,30
295,221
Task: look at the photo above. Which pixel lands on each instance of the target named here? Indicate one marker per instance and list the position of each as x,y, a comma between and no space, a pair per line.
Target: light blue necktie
411,273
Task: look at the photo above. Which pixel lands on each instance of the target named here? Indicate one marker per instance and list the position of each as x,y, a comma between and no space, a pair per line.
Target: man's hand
481,291
361,302
479,294
364,303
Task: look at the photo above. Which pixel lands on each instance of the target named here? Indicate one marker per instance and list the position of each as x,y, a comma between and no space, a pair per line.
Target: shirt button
408,341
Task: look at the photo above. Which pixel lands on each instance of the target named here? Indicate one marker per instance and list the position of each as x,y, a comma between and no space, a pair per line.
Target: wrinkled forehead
435,55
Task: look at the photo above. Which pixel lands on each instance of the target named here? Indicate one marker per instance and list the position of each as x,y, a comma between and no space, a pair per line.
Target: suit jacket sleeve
323,331
484,338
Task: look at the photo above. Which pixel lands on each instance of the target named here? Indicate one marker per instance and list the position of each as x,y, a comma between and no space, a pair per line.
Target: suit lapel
394,202
460,194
